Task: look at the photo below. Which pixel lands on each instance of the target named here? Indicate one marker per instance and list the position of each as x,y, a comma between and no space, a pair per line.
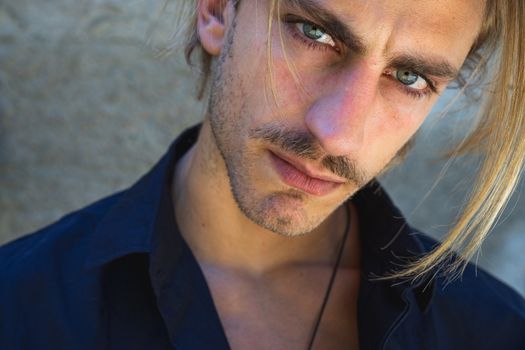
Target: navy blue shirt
118,275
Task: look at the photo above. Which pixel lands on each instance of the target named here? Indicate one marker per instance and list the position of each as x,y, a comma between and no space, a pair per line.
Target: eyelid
431,83
325,39
412,92
290,18
294,19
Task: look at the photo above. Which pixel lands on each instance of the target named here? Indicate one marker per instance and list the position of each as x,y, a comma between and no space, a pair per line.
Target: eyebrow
329,22
437,67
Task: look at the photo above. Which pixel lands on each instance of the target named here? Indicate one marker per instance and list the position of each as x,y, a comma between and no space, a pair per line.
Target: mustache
304,145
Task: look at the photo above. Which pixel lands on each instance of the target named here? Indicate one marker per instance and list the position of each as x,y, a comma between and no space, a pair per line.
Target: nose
338,117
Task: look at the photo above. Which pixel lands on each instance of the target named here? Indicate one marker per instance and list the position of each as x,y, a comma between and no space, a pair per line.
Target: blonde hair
499,136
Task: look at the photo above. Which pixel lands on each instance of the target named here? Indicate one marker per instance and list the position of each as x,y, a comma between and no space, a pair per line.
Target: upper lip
307,169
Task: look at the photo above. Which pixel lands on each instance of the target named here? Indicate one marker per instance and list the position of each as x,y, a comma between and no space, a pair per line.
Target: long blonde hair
499,137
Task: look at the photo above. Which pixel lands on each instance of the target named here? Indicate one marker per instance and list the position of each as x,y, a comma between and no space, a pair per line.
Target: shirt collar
142,220
386,237
130,224
387,244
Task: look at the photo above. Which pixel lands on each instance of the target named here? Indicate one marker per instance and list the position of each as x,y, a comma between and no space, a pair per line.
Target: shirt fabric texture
118,275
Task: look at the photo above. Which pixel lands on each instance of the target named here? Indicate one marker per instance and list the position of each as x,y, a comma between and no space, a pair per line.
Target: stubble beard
280,211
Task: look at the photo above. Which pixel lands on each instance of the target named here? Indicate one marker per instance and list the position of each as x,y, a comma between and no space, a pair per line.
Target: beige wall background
86,107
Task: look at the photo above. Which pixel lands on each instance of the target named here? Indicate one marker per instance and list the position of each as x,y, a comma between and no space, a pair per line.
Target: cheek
275,94
298,75
389,129
283,83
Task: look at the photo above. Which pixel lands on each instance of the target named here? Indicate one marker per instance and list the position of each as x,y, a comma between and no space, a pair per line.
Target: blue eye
411,79
315,33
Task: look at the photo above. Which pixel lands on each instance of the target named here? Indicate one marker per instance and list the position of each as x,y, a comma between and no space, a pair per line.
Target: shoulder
42,277
479,307
70,232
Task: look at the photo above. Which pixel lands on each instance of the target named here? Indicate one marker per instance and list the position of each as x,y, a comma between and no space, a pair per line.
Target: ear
213,18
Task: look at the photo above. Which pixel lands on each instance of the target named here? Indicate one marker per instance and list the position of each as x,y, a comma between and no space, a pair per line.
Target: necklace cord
330,283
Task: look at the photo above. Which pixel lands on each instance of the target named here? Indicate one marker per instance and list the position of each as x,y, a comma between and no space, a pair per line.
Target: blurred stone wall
85,105
86,108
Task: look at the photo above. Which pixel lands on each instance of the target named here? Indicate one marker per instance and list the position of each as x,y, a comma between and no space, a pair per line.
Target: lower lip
296,178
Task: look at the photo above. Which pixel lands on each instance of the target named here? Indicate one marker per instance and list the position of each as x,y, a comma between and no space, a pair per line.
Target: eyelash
415,93
290,22
418,94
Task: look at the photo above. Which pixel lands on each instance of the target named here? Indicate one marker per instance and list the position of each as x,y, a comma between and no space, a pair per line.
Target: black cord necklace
330,283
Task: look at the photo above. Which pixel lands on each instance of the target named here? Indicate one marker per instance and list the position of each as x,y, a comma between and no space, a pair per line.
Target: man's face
366,75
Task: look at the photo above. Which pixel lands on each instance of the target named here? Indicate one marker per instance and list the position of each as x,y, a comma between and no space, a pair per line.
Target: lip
296,175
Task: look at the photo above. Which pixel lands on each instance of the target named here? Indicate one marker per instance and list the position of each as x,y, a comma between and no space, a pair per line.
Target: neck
220,235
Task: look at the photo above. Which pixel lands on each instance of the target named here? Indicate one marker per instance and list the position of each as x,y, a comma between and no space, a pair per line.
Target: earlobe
211,24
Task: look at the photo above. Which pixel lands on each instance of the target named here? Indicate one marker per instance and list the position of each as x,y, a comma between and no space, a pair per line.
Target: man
263,228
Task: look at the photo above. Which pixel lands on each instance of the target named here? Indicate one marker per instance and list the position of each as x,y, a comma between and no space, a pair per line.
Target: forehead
387,26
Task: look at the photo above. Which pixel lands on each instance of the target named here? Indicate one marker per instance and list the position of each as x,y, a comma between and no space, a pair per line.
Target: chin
283,213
